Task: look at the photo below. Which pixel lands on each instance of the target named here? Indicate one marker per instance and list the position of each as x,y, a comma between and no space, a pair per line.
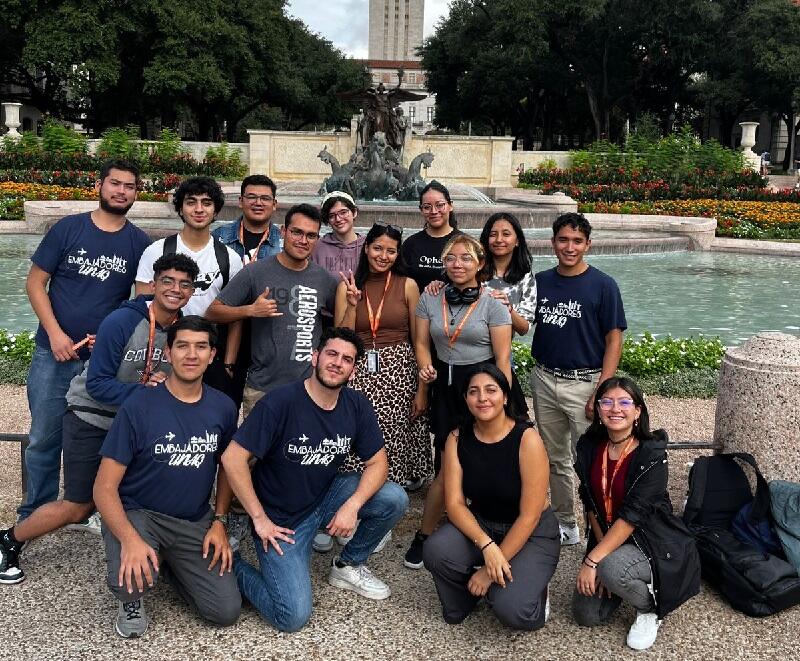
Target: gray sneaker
93,525
238,529
131,619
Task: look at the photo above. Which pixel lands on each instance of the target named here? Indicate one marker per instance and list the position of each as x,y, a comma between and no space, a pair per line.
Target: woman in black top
498,463
638,551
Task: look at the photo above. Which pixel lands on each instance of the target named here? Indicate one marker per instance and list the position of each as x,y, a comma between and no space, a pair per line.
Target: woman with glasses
423,250
378,302
637,550
339,250
501,540
468,327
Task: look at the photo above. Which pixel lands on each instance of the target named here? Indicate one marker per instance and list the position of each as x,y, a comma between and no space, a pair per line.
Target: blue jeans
48,382
281,591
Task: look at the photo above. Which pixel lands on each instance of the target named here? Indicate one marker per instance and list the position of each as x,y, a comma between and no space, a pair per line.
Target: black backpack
220,252
753,582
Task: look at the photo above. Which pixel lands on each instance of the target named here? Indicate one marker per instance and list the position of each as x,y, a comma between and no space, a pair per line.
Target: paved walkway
63,610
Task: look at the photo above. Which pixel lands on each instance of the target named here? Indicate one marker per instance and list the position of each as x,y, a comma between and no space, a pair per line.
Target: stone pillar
12,118
752,159
758,404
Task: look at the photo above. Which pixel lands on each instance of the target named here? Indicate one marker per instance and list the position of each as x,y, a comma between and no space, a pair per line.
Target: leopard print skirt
392,391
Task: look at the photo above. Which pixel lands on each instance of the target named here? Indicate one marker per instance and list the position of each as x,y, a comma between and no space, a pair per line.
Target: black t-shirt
251,239
422,254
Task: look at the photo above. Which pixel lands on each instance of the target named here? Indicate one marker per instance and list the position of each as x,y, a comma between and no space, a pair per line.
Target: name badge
373,361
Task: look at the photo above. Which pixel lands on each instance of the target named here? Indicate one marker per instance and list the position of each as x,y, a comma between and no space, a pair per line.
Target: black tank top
491,477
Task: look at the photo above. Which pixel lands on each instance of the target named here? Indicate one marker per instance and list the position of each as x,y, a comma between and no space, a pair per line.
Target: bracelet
591,564
487,545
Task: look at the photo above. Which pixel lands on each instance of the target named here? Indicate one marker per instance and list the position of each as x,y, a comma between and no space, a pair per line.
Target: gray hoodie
334,256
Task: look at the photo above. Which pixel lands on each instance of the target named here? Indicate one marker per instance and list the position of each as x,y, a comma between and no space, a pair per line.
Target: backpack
220,252
785,499
753,582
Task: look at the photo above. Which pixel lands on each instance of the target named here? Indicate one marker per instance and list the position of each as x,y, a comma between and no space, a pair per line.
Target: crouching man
159,463
300,434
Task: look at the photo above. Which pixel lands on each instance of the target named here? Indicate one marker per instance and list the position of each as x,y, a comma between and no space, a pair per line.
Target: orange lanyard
247,255
605,485
375,319
451,339
147,372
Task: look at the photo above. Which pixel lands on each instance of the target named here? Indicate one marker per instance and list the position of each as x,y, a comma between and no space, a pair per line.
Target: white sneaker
643,631
322,543
414,485
384,541
358,579
92,525
570,536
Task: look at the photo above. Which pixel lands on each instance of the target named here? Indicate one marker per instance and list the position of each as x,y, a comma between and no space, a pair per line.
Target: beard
106,206
327,383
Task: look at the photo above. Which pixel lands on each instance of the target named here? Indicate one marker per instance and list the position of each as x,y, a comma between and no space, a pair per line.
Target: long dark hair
493,372
641,429
377,231
520,264
440,188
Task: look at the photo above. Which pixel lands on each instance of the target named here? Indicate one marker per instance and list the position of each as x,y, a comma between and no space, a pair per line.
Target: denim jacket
228,234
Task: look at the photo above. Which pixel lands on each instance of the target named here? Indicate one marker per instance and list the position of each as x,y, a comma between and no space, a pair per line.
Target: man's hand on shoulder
218,538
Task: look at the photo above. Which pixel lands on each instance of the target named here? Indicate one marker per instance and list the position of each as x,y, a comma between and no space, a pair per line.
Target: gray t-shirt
281,347
474,343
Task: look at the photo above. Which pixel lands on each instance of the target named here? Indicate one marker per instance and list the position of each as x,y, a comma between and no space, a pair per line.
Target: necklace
627,438
455,314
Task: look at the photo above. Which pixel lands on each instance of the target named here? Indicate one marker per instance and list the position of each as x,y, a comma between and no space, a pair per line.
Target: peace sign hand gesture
353,292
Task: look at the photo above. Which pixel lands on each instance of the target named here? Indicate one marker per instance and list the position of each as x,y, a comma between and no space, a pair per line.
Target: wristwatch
222,518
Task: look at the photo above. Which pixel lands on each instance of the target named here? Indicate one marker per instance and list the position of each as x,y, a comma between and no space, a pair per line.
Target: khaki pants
559,405
250,399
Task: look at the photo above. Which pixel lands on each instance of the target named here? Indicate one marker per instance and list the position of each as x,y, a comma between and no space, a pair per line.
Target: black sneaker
10,572
413,558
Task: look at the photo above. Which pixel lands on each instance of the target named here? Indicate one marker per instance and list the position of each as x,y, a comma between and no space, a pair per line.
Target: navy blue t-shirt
91,273
171,449
573,316
300,446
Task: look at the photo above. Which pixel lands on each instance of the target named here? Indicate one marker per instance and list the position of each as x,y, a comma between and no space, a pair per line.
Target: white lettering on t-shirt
100,267
187,454
306,299
304,451
557,315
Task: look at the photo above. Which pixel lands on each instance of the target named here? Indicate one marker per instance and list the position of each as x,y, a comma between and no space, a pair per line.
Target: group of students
346,354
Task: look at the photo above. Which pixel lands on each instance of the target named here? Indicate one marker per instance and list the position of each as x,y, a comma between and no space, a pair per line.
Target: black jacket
659,534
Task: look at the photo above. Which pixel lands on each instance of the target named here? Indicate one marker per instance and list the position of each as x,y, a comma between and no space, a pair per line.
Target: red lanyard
147,372
247,255
451,339
605,485
375,319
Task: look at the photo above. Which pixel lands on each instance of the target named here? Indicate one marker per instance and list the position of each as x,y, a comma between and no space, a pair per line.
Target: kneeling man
300,434
159,464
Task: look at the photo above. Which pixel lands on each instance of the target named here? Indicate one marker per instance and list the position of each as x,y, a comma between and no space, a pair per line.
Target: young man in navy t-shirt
82,270
300,435
577,344
160,460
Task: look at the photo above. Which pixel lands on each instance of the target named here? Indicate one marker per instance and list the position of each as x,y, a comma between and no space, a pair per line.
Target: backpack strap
761,502
223,260
170,245
698,478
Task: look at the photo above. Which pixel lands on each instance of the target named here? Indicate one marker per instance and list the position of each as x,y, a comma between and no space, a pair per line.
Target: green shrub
62,140
226,161
14,370
116,142
685,383
17,345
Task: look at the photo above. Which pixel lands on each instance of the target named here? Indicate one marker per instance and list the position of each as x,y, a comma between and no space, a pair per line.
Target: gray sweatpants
453,559
179,543
626,572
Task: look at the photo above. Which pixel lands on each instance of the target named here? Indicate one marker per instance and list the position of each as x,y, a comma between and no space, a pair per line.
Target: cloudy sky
344,22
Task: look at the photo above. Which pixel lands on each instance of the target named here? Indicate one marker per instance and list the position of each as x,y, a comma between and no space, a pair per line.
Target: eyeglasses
299,234
466,260
252,199
441,205
166,281
606,404
342,213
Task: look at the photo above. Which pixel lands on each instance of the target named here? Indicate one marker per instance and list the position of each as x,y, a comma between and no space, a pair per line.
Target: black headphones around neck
465,296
